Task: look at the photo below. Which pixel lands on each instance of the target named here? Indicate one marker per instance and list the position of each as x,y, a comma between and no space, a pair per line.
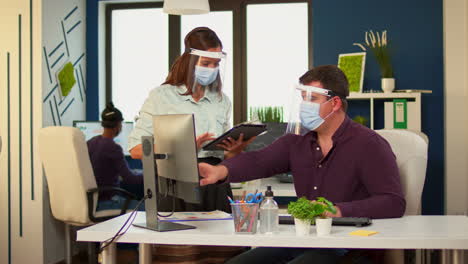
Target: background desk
279,189
409,232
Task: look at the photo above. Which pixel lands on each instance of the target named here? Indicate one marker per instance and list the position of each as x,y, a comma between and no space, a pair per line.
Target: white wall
27,230
456,105
63,41
21,232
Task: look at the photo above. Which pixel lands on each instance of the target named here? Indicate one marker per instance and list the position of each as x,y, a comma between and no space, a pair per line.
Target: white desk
410,232
279,189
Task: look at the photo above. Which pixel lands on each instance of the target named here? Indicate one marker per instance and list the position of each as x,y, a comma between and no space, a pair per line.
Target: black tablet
249,131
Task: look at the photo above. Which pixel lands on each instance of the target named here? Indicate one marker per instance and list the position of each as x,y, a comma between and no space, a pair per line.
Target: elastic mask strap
331,111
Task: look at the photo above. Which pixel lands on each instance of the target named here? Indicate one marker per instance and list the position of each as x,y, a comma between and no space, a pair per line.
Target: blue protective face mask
205,75
310,115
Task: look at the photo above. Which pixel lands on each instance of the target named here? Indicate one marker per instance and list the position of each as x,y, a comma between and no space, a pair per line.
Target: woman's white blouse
212,113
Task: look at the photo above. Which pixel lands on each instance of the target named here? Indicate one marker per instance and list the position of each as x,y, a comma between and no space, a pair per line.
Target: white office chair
72,186
410,149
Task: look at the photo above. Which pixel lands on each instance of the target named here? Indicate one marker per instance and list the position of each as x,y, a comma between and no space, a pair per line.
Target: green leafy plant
378,45
305,209
267,114
322,206
361,120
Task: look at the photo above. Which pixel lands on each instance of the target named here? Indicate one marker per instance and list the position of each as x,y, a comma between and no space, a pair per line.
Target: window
139,55
267,42
221,23
277,52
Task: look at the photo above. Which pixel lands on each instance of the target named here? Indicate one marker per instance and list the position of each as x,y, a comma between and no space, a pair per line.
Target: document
196,216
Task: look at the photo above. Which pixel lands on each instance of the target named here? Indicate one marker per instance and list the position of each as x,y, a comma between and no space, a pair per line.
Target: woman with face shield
194,86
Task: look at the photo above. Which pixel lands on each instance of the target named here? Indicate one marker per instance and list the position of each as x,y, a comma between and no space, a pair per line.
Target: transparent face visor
304,94
206,71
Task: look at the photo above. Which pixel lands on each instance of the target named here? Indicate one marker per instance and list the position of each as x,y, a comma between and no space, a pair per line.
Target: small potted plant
303,212
266,114
306,212
378,45
360,120
323,223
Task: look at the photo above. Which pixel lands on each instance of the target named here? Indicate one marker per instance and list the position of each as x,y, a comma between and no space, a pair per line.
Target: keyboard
337,221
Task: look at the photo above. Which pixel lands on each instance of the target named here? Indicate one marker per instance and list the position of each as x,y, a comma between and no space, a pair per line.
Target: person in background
330,156
108,162
194,86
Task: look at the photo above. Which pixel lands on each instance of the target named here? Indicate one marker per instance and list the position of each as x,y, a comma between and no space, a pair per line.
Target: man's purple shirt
359,173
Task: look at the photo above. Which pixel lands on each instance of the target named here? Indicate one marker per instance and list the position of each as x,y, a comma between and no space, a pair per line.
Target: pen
230,200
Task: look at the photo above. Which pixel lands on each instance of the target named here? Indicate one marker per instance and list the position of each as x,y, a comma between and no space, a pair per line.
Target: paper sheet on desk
196,216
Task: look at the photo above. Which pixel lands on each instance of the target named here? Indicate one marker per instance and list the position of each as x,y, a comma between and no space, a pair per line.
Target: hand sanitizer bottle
268,213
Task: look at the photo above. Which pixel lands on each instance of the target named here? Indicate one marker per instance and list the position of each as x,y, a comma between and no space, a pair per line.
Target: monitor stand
151,205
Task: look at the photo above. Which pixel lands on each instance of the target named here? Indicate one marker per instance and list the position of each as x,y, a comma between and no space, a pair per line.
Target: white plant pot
388,85
302,227
323,226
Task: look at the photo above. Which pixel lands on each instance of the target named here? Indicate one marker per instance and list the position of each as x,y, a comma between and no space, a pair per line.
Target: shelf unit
416,96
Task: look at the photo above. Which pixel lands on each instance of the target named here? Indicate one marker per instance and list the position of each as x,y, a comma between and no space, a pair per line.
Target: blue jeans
290,256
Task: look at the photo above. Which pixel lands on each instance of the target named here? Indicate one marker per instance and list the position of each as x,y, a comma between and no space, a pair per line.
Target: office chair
410,149
72,186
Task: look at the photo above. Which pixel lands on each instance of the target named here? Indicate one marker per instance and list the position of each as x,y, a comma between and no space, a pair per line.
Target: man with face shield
308,107
108,162
328,155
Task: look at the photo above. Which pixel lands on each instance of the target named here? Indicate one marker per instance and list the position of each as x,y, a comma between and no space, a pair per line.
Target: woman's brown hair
201,38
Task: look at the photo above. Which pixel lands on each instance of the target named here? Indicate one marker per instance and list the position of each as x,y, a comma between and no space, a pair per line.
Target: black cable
119,233
133,215
173,200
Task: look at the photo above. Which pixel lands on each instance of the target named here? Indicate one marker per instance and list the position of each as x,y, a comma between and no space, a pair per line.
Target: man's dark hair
111,116
332,78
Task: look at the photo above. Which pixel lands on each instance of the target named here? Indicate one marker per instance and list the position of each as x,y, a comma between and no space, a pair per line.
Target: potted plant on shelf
378,44
306,212
267,114
360,120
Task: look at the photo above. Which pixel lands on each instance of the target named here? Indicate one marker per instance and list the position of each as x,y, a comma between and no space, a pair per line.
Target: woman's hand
203,138
233,147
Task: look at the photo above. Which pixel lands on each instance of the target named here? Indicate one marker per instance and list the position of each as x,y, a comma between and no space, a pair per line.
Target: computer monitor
174,135
93,128
172,163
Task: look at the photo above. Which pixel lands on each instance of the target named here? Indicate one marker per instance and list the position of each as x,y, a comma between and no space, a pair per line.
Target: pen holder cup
245,217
